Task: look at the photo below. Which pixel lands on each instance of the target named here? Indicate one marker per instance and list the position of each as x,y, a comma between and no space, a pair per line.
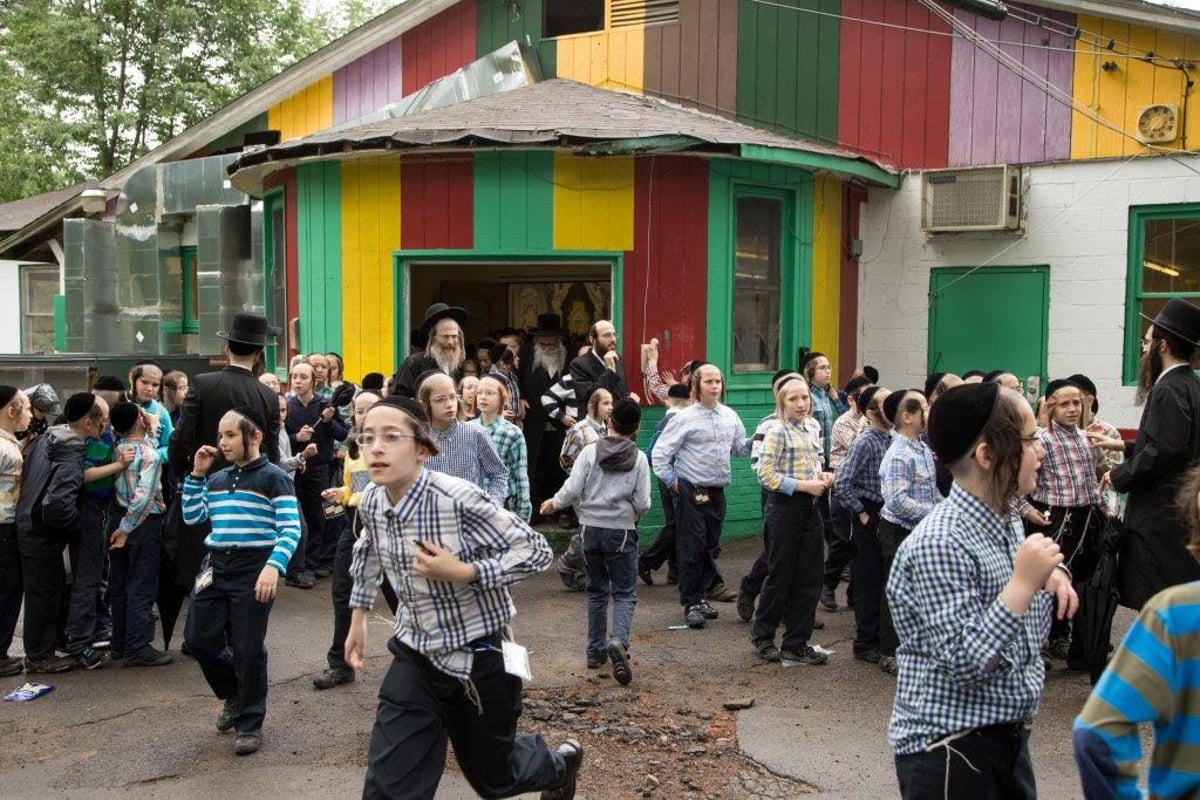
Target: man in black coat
442,334
544,365
1153,555
600,367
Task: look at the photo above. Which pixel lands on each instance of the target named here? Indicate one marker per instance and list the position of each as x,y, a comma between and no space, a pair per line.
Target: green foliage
87,86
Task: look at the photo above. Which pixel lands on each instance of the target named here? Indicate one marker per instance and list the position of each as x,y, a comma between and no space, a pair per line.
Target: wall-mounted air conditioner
971,199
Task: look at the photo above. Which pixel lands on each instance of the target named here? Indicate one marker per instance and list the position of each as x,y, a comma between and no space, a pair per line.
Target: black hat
548,325
248,328
1060,383
500,352
372,382
867,395
626,416
123,416
959,416
809,356
988,377
783,380
1085,383
79,406
440,311
424,376
342,396
855,384
407,405
1181,318
679,391
7,393
254,415
892,404
932,381
694,365
871,373
43,397
109,383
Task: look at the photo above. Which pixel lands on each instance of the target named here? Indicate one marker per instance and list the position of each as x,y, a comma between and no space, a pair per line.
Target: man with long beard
1154,554
543,435
444,349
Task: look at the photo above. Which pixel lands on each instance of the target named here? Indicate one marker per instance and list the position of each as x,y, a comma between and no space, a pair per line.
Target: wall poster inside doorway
579,303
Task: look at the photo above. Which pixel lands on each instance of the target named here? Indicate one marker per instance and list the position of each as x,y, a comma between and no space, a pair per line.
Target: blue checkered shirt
510,446
436,618
466,451
697,445
965,659
857,478
908,482
825,412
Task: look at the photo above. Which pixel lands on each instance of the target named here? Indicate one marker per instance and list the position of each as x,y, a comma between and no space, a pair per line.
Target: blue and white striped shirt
908,482
436,618
250,507
466,451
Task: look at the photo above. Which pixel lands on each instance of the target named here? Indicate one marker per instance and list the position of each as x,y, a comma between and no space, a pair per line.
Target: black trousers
986,764
237,667
793,583
89,564
546,475
1077,530
11,587
890,536
421,708
45,589
309,485
868,577
839,551
752,582
663,548
698,535
341,585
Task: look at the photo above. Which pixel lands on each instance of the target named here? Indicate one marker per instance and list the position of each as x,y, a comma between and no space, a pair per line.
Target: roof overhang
1154,15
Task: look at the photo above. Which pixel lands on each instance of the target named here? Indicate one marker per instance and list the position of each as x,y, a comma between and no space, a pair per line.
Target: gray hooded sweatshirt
609,484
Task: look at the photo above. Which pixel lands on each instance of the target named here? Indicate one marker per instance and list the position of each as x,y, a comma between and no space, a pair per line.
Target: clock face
1157,123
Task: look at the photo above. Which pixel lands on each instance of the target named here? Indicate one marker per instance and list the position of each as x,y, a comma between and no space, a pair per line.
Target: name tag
204,580
516,660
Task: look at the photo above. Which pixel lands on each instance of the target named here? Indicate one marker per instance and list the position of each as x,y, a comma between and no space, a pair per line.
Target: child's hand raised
203,460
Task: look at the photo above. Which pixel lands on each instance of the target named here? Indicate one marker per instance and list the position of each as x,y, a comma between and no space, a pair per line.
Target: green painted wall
497,24
787,78
514,202
319,247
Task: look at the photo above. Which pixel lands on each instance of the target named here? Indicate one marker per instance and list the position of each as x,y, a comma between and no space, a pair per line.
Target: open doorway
511,294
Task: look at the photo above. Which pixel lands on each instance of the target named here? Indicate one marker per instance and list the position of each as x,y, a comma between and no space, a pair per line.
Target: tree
87,86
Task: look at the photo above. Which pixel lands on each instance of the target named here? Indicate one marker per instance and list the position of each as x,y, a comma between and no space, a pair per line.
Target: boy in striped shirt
251,505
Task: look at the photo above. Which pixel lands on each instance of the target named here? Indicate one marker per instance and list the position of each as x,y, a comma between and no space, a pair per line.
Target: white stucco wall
10,307
1077,222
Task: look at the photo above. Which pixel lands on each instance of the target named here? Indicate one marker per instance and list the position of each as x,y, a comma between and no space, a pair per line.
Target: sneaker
807,655
89,658
745,605
572,753
708,611
103,640
10,665
889,665
767,651
322,572
49,665
301,580
620,661
1057,648
721,594
828,600
871,656
672,578
596,661
647,576
148,657
333,677
116,655
694,617
228,716
247,743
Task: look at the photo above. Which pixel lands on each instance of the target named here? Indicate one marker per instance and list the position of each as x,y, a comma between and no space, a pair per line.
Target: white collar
1163,374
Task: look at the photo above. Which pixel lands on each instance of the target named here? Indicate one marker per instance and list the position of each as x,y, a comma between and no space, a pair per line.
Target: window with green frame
1164,262
190,319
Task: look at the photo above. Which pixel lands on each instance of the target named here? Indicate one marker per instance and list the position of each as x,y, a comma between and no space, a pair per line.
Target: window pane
1171,256
757,285
574,16
39,334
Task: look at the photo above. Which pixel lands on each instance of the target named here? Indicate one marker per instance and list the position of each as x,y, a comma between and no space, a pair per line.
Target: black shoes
228,716
694,617
721,594
871,656
333,677
322,572
88,658
596,661
572,753
708,611
888,664
247,743
767,651
807,656
646,575
620,661
11,666
672,577
745,605
49,665
148,658
301,580
828,600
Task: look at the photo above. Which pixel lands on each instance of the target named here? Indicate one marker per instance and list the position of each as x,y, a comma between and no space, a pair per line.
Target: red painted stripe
437,202
666,274
850,73
438,46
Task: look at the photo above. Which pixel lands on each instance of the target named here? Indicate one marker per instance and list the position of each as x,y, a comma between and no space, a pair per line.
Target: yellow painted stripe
370,234
308,111
611,59
593,203
826,270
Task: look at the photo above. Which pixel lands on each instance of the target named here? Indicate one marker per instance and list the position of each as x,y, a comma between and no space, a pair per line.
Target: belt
1002,730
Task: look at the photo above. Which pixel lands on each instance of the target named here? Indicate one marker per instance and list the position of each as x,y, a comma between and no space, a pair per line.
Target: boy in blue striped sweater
255,529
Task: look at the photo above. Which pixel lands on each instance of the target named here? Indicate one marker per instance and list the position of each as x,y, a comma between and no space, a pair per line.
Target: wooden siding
894,85
694,62
514,202
996,117
440,45
368,84
370,234
437,206
497,24
593,203
826,272
306,112
665,276
1120,95
787,77
610,59
319,247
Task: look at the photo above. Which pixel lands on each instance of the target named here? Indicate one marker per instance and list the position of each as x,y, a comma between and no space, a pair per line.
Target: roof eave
43,224
844,166
1179,20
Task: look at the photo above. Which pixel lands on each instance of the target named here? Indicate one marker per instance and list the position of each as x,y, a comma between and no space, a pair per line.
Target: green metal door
992,318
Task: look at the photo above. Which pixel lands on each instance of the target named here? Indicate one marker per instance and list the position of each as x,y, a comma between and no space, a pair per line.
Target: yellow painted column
593,202
826,270
370,235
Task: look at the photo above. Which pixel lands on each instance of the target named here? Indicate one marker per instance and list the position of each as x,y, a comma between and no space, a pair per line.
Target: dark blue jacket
325,434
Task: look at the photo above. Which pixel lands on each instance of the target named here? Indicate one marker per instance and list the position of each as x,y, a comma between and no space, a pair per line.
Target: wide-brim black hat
1179,317
440,311
548,325
248,328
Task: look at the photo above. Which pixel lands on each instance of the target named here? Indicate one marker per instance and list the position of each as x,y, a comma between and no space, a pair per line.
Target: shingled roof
19,213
